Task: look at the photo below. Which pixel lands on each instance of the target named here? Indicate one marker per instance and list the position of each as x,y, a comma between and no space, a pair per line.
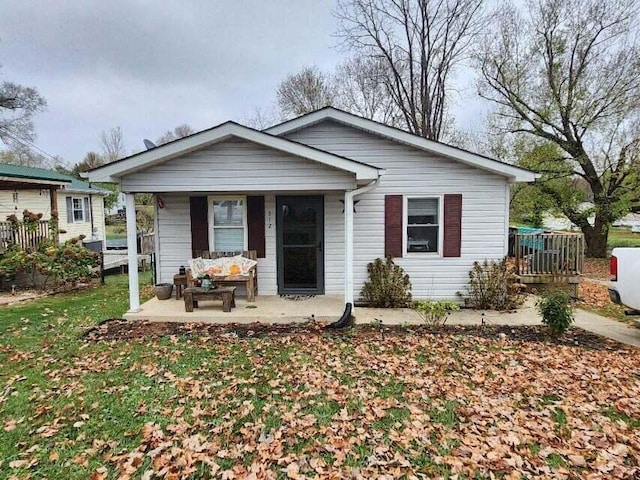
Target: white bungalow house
319,197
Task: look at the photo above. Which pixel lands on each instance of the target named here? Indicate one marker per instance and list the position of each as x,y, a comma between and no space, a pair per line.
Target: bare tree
304,92
112,144
361,88
261,118
568,73
18,105
421,42
178,132
91,160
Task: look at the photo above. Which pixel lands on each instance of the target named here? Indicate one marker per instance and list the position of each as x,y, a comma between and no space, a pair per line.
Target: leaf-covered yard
303,403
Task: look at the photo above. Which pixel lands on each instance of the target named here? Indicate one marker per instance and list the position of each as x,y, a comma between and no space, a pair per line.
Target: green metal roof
21,171
78,185
70,183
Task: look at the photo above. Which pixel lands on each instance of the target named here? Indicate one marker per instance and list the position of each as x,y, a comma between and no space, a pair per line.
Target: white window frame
405,225
73,209
212,227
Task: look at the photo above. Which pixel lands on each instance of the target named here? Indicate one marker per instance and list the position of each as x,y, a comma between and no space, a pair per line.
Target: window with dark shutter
452,225
393,218
69,202
87,209
423,224
255,224
79,208
199,225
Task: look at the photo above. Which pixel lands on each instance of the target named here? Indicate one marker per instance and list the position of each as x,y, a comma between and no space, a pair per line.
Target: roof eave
113,172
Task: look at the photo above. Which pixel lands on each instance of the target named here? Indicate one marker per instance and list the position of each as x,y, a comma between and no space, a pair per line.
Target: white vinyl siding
37,201
414,173
238,166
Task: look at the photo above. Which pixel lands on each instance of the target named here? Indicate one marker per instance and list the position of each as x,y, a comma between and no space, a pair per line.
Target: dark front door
300,230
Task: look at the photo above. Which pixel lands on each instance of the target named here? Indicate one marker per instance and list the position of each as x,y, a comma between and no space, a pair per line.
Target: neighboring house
319,197
80,206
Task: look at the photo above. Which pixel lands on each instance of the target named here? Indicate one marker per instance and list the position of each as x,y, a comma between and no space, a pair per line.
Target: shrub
493,285
388,286
556,311
435,313
51,263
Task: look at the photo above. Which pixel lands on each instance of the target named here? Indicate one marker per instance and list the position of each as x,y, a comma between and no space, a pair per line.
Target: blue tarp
535,243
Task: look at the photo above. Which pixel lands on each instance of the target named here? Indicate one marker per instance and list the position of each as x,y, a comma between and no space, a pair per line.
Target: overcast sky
149,66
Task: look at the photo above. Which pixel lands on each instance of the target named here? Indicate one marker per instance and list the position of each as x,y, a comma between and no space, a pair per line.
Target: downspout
349,195
91,214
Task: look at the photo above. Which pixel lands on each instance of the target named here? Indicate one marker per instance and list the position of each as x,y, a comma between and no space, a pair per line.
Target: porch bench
250,281
193,294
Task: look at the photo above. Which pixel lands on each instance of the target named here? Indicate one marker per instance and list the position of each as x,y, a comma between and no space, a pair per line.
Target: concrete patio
266,309
327,308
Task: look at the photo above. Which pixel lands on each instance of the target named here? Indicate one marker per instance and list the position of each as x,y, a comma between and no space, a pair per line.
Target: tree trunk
596,239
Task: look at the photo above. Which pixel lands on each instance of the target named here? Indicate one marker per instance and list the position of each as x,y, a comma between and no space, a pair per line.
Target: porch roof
114,171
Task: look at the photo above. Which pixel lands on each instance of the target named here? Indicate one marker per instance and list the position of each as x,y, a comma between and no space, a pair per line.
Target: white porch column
132,253
348,247
348,235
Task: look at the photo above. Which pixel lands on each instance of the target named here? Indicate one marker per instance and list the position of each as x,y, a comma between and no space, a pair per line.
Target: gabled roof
473,159
111,172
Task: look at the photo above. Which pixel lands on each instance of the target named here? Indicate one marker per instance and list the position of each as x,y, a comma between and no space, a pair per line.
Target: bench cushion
237,266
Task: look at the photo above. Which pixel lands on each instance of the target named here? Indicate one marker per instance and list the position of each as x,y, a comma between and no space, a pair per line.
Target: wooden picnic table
193,294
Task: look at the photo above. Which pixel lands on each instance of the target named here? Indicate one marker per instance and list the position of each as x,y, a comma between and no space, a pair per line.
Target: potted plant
163,291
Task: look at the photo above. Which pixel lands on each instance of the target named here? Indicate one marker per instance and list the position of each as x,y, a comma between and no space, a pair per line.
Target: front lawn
301,402
623,237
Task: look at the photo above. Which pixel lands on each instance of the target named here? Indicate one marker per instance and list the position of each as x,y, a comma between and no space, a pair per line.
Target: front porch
266,309
276,309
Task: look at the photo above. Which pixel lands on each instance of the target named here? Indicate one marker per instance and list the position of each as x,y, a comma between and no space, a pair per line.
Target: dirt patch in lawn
597,268
594,296
117,329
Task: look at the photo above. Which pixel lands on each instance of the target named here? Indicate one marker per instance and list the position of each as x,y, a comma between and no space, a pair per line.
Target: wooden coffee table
193,294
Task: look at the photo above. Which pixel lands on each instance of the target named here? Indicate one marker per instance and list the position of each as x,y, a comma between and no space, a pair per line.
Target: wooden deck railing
27,238
147,243
549,254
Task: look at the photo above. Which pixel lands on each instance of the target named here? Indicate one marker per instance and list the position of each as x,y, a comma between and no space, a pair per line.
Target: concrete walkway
526,315
328,308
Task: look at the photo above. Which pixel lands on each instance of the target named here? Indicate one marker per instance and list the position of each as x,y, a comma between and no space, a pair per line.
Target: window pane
228,239
422,211
228,213
422,239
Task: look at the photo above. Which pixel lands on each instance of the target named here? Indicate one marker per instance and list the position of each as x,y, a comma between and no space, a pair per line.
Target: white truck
625,278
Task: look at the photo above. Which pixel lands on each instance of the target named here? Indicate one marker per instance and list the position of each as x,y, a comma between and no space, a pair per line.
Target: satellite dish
149,144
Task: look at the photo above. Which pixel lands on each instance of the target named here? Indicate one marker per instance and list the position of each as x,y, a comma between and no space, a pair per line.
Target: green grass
69,406
114,232
623,237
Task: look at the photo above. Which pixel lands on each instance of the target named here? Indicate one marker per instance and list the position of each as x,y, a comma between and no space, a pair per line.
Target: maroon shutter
393,217
255,224
452,225
199,225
